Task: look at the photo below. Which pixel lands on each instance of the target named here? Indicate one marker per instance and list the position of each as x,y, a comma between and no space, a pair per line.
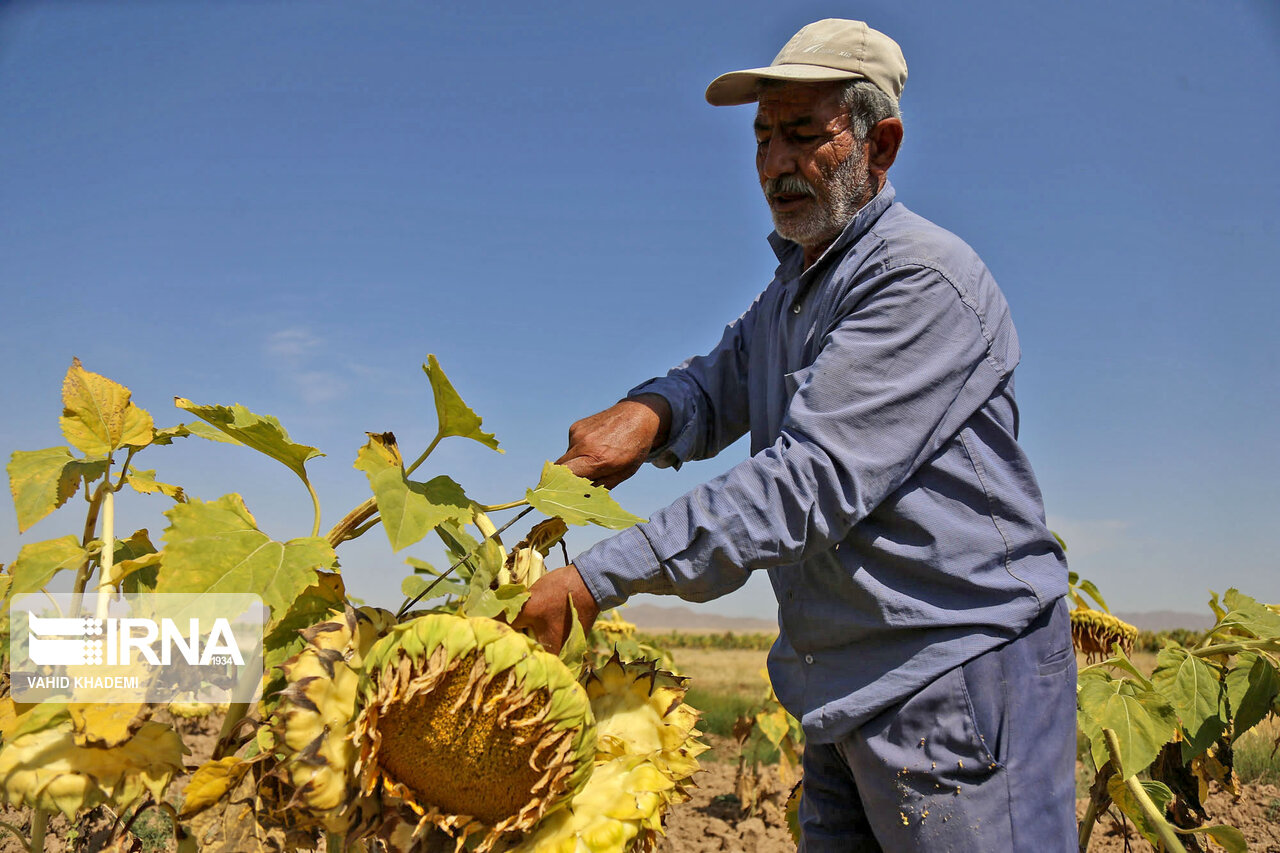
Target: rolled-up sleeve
906,363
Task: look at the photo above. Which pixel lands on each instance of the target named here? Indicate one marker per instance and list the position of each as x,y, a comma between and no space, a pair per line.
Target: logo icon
49,645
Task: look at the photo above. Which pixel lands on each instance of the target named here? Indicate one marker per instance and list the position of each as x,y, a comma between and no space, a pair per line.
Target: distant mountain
1167,620
651,617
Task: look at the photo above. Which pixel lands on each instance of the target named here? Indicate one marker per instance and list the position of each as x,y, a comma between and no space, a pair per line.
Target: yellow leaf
106,725
38,562
239,821
17,719
454,416
43,480
210,783
97,415
145,483
216,547
47,769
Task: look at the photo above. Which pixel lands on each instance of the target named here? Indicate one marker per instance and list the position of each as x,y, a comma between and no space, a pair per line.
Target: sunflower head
472,726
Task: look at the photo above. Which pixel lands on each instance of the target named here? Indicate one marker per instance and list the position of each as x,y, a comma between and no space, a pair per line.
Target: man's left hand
547,615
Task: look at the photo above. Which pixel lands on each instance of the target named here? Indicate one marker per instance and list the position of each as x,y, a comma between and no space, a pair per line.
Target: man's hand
610,446
547,612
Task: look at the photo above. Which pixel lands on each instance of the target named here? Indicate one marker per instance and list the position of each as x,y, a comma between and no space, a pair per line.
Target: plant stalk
107,559
425,454
39,823
345,529
501,507
1098,802
1269,645
90,525
315,504
238,710
1168,837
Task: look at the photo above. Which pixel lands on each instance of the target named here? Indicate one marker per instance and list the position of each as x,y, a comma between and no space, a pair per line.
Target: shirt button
808,658
795,309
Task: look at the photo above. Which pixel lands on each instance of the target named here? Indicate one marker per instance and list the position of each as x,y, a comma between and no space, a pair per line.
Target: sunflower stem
1099,799
107,560
90,526
1168,837
39,822
425,454
501,507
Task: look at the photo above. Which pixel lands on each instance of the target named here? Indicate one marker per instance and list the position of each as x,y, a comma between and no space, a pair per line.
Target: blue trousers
981,760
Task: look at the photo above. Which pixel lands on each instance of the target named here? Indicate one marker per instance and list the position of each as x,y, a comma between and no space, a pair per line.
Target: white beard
837,201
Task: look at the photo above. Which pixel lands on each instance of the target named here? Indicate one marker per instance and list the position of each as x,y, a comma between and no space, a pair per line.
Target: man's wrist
661,408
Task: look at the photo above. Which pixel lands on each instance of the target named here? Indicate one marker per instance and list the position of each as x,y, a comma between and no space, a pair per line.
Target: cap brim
739,87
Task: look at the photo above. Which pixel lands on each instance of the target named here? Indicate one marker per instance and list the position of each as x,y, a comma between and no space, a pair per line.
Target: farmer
923,634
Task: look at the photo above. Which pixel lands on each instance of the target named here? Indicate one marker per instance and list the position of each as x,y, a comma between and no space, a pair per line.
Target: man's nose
777,158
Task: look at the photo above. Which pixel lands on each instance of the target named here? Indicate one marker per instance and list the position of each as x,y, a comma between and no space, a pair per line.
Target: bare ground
714,821
711,821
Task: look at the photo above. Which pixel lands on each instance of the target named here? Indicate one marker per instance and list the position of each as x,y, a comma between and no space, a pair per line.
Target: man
924,640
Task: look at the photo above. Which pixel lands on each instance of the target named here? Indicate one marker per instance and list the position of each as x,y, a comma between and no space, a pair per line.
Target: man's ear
883,142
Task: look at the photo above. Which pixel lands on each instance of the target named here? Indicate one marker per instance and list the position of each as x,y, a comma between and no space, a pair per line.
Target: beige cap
830,49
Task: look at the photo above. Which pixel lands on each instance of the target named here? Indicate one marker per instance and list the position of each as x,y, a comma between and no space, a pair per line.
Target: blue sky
288,205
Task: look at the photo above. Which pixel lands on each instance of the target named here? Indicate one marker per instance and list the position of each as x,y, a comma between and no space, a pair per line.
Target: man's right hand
610,446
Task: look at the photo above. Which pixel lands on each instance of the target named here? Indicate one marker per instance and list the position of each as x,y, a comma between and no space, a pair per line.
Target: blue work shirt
886,494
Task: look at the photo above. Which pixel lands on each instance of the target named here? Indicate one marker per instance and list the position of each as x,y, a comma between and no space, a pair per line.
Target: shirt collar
791,255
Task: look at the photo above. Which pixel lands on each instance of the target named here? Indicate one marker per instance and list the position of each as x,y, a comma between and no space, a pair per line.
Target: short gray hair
868,105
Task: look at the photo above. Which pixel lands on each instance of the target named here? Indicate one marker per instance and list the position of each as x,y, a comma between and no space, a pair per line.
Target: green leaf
1121,661
1247,616
216,547
200,429
145,483
139,574
573,653
98,416
1143,721
43,480
38,562
455,417
284,640
132,555
1092,590
460,543
1228,837
1194,688
168,434
409,509
261,432
422,567
414,584
507,600
1160,795
1252,685
562,493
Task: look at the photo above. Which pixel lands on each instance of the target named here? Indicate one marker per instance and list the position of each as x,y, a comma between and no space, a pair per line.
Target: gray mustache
789,184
